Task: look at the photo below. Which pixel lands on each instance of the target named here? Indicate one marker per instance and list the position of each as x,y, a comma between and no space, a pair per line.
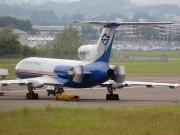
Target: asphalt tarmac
96,97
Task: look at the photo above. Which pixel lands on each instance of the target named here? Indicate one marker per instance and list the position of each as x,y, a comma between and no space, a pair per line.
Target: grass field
132,68
146,120
151,68
170,54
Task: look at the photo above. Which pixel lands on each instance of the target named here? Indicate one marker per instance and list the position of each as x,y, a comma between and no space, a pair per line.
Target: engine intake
76,73
118,74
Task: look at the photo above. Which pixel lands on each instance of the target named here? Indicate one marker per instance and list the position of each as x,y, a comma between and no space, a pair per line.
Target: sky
138,2
155,2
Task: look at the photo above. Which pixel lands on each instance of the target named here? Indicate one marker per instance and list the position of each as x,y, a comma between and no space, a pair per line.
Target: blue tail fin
101,52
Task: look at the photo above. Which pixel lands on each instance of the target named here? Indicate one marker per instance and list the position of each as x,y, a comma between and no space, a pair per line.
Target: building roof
16,31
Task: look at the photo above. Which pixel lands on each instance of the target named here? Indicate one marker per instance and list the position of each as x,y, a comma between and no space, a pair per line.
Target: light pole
163,44
140,43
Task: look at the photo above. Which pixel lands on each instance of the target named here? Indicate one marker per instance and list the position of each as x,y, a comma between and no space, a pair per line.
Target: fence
138,58
114,58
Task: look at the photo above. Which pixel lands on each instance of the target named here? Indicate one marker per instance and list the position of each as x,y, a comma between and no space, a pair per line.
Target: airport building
34,40
22,35
47,32
51,30
166,30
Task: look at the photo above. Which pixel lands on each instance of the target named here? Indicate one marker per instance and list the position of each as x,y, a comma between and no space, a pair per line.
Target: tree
44,51
9,44
143,15
24,25
27,51
44,17
88,31
66,43
148,32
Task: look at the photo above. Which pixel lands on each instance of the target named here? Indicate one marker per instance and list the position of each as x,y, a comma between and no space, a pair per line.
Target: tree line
10,46
21,24
65,43
53,13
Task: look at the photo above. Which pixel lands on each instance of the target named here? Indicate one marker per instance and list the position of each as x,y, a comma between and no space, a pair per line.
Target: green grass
11,69
155,120
151,68
170,54
171,68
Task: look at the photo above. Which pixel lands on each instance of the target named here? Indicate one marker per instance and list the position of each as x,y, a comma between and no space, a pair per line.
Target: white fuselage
43,65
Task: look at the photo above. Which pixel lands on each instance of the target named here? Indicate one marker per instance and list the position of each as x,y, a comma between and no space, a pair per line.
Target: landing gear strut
31,94
111,96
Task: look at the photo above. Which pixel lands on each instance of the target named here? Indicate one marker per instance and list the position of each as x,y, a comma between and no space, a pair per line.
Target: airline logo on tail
105,39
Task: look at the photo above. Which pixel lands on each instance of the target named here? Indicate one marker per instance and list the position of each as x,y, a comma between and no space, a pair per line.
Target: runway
95,97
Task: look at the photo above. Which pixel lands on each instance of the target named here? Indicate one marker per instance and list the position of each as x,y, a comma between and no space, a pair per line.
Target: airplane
92,70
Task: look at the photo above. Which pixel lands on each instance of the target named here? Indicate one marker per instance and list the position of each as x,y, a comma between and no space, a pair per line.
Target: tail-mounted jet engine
118,74
76,73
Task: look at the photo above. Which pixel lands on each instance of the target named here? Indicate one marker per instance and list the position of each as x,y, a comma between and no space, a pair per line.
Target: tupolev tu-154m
93,69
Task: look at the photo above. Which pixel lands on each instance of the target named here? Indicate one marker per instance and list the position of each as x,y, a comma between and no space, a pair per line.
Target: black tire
107,96
27,96
116,97
36,96
2,94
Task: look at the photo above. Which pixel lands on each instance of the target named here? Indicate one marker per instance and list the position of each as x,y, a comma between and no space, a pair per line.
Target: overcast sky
138,2
155,2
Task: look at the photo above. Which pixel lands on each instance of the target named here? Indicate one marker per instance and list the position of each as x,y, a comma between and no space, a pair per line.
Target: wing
36,82
113,84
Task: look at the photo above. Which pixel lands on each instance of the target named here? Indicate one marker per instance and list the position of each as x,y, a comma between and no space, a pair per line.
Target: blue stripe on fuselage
98,75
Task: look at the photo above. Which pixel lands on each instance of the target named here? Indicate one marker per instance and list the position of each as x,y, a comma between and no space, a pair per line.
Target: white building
51,30
23,36
35,40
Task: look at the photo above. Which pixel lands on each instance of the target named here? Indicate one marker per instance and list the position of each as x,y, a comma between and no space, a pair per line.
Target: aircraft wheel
27,95
32,96
2,93
36,96
107,96
116,97
112,97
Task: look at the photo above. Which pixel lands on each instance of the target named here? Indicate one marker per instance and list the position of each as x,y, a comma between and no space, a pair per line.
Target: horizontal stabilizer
145,23
121,23
114,23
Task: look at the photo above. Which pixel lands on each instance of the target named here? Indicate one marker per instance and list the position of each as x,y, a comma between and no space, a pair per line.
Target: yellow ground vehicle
67,97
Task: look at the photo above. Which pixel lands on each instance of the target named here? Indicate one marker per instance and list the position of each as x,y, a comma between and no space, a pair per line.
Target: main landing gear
111,96
31,94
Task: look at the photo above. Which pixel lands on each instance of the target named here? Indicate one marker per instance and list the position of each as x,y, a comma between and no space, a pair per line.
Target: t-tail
101,51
